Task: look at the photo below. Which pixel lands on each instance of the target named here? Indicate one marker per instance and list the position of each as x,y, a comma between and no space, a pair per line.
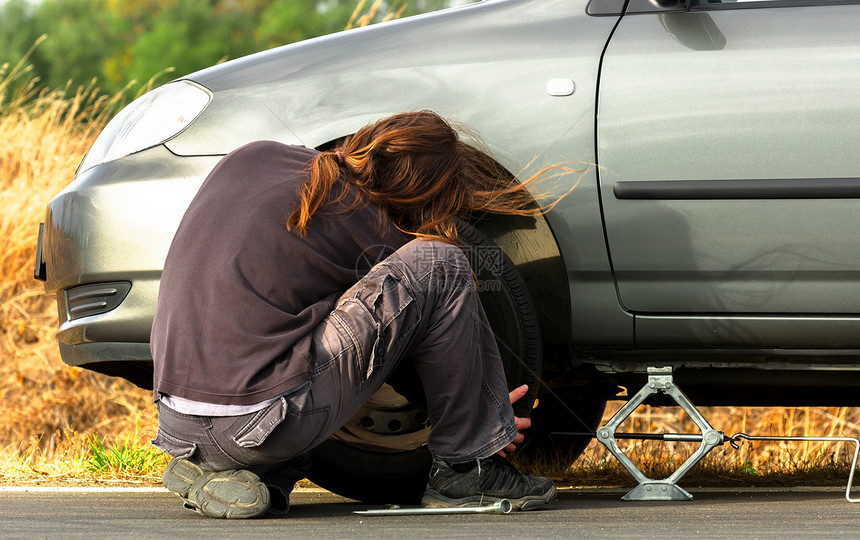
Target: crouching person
271,330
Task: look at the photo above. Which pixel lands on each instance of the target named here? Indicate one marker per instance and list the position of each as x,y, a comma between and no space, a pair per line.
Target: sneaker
223,494
485,482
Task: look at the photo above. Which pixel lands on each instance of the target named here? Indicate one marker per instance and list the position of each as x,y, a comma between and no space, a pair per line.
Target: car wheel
380,455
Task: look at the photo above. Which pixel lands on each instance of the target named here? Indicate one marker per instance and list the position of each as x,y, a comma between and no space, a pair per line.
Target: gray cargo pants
419,305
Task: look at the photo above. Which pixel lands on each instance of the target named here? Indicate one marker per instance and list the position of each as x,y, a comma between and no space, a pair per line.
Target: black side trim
638,7
789,188
767,4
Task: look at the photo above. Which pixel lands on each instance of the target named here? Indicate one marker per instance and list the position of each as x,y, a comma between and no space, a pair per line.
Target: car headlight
155,117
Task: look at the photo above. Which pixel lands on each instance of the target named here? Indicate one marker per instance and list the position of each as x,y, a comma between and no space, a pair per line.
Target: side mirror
658,6
670,4
696,31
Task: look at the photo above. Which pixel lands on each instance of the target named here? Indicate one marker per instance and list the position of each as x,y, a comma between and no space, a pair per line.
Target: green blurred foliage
116,42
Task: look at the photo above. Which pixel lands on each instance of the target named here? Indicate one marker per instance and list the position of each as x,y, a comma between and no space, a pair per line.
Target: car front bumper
103,246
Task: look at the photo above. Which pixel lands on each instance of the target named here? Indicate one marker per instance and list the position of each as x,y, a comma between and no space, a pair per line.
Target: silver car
713,232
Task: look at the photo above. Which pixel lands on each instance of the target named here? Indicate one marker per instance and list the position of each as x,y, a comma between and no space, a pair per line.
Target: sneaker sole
235,494
433,499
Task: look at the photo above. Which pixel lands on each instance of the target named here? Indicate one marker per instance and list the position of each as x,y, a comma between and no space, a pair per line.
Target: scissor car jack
660,382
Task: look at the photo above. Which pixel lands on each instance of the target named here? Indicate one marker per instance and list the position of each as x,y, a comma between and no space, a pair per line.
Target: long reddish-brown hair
415,168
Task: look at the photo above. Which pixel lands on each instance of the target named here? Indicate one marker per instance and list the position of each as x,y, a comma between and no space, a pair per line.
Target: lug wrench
502,506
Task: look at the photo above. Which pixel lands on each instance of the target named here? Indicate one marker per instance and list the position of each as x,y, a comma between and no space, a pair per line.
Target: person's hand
520,423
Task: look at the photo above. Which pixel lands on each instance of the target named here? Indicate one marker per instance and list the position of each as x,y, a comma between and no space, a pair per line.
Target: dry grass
753,464
48,409
52,412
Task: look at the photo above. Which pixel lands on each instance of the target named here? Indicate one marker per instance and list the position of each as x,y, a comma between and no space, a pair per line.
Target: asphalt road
318,514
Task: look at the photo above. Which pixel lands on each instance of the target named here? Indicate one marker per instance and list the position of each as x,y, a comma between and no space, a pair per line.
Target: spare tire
380,455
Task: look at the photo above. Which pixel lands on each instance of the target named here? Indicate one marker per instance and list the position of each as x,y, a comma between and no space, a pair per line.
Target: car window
728,4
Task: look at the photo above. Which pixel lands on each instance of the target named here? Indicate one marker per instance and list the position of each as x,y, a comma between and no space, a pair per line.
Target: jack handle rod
856,442
684,437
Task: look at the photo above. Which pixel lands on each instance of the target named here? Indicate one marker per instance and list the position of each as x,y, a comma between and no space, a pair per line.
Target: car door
730,173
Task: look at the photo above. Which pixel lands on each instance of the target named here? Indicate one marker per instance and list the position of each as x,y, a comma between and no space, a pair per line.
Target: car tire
347,466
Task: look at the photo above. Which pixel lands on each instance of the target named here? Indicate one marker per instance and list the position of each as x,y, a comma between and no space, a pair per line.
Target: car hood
318,90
